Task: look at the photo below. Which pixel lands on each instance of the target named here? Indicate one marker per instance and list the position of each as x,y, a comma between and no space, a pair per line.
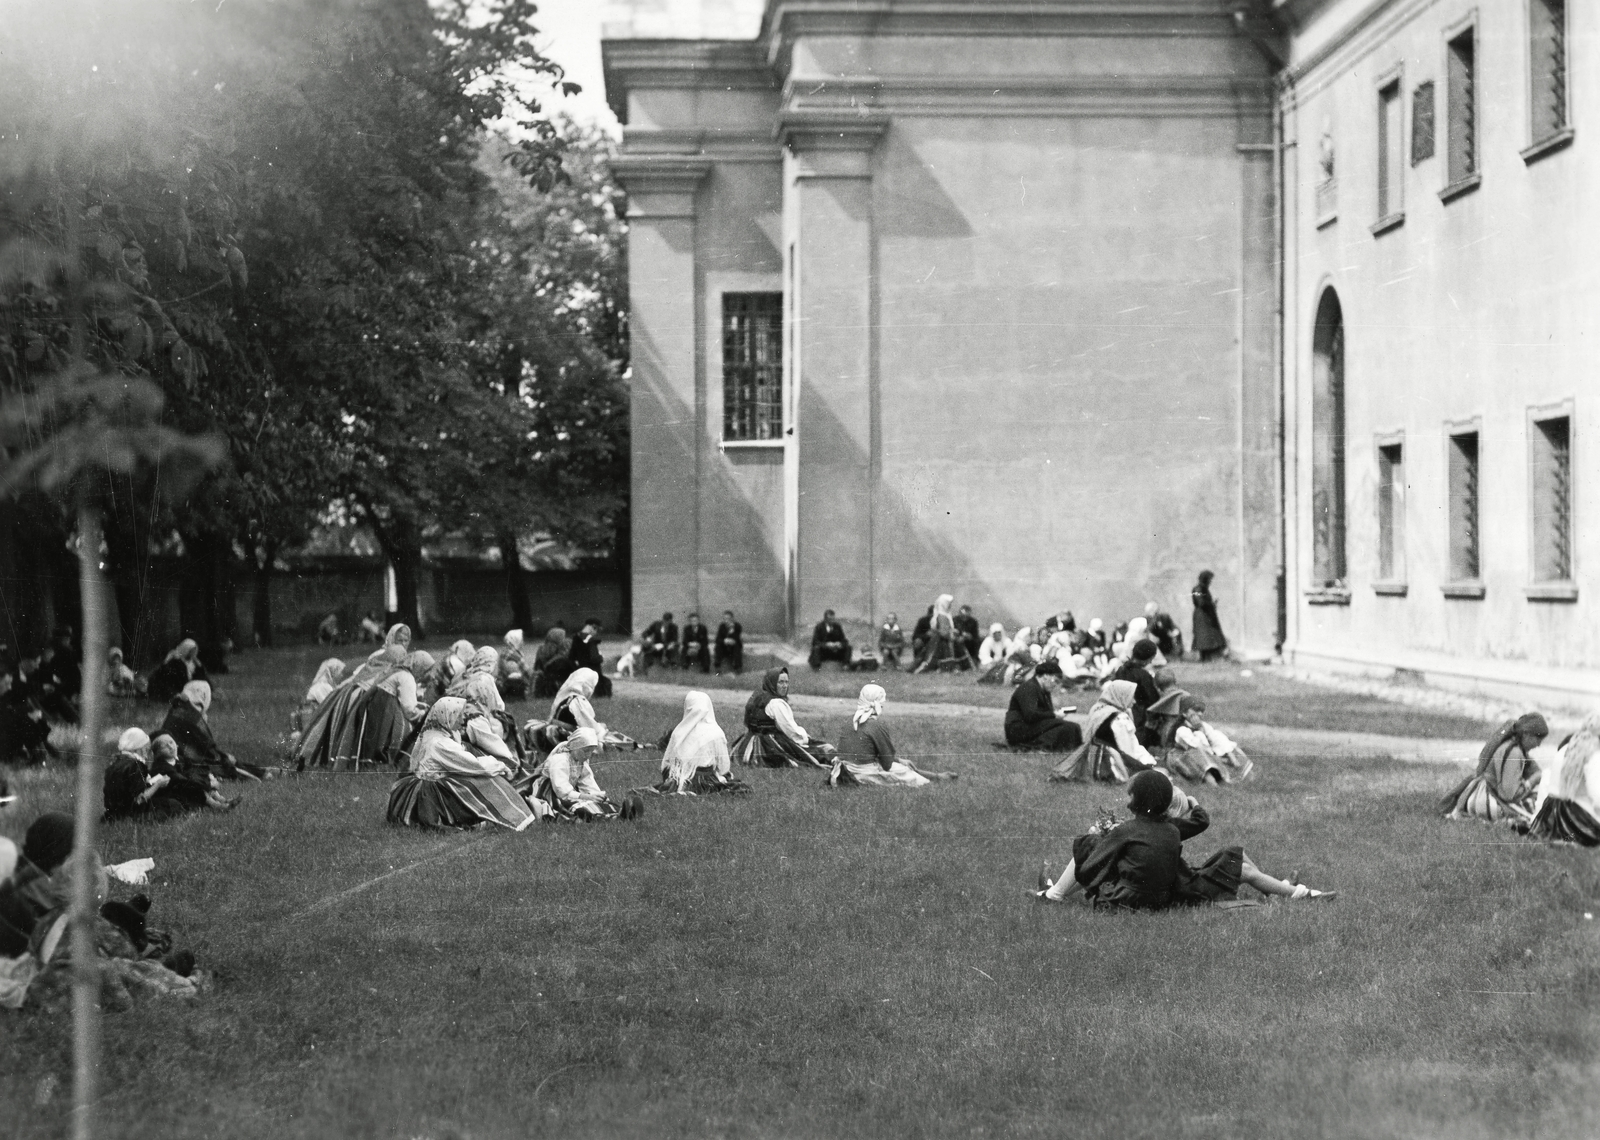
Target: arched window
1327,443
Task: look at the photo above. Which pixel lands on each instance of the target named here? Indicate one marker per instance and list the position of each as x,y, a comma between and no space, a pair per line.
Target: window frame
1552,589
1432,88
1389,215
1559,139
1469,180
1455,587
754,441
1391,584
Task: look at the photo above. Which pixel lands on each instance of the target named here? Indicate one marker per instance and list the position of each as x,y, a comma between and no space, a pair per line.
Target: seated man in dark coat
828,642
24,733
920,634
1032,720
660,643
694,651
967,631
585,654
1137,670
729,648
1168,637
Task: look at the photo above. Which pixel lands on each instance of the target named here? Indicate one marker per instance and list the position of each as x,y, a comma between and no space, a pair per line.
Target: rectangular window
1551,470
1391,156
1422,122
1547,70
1462,128
1464,548
752,366
1391,513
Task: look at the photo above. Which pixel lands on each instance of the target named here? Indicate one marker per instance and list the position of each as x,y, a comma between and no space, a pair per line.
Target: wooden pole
85,964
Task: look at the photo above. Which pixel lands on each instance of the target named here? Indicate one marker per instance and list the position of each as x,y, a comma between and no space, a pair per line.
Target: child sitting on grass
1202,752
1138,863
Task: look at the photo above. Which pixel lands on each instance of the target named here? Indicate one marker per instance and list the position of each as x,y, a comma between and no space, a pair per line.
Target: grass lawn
806,962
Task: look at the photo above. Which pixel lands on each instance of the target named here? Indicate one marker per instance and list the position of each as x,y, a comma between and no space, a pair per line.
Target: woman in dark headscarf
1209,641
771,736
1506,782
551,663
1111,748
181,666
1568,805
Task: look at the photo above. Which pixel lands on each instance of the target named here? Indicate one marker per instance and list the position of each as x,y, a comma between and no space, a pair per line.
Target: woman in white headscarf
329,674
566,786
571,706
1568,805
488,730
994,653
180,667
132,791
1110,751
696,761
449,786
943,645
485,662
187,722
866,752
450,667
512,676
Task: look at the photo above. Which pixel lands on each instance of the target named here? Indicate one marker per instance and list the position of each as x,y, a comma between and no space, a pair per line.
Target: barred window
1547,57
1462,108
1391,513
752,366
1464,548
1551,463
1391,163
1422,122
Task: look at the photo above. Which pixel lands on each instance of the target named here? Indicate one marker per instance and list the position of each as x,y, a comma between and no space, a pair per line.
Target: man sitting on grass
828,642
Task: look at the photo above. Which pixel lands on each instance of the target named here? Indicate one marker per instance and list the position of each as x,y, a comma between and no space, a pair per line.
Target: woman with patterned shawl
696,761
385,716
552,664
771,736
566,786
451,666
1506,783
328,733
448,786
1111,750
488,730
866,752
1567,808
512,676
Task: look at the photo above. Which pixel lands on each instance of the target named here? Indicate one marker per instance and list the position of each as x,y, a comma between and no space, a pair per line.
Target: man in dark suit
828,642
729,649
967,632
695,649
585,653
1032,720
660,643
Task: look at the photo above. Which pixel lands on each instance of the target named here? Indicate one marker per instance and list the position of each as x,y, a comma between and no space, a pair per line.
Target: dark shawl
755,709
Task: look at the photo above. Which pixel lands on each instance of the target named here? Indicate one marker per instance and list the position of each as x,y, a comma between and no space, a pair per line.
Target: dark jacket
696,636
1030,713
827,631
666,633
1139,863
727,633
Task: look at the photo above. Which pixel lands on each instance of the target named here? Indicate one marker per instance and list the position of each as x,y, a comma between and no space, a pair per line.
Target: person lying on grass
565,784
1199,751
866,752
1139,864
771,737
448,786
1506,782
133,791
696,761
1113,750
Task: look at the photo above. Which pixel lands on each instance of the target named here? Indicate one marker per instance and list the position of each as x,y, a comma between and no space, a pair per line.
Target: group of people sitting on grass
1548,794
692,647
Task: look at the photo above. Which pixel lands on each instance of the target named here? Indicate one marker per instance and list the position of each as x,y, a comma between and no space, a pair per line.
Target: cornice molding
687,143
660,185
830,130
1173,96
727,64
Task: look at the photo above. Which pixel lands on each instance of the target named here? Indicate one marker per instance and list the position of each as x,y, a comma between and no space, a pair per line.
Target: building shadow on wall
909,201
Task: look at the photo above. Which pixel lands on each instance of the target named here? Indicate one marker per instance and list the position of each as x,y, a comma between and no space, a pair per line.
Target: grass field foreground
806,962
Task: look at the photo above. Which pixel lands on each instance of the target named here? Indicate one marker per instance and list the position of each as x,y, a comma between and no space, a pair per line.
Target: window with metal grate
752,366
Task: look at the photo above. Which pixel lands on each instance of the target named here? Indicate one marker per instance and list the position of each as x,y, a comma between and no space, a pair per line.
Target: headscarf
1505,771
998,628
579,738
697,742
1115,697
134,740
448,714
419,663
555,645
186,651
462,651
1137,629
581,682
762,697
329,674
869,704
399,634
513,640
1019,639
481,690
941,613
485,660
198,694
1575,757
49,841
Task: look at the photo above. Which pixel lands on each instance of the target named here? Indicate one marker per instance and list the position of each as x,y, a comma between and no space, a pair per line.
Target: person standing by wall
1209,640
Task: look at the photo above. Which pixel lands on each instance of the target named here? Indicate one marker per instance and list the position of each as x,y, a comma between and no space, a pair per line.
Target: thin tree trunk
516,581
407,561
85,964
261,605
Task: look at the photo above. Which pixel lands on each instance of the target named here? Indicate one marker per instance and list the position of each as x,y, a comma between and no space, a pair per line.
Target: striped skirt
897,775
1194,763
457,801
1566,822
1094,761
775,750
373,732
326,726
704,782
544,796
1475,798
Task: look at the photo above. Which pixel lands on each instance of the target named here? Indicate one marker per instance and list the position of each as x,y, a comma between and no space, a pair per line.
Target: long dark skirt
1215,880
775,750
456,801
1062,737
374,732
1566,822
326,726
1095,761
